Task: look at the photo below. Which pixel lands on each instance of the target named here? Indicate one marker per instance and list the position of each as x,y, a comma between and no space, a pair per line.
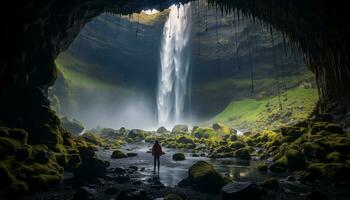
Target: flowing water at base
172,172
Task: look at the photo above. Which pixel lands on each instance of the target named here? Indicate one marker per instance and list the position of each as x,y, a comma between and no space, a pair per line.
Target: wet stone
111,191
122,179
241,190
133,195
84,193
119,170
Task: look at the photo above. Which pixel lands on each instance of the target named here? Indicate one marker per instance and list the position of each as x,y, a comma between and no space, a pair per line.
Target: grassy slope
67,64
251,114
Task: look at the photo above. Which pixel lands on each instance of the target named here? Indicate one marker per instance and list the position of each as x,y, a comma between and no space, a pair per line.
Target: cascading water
174,66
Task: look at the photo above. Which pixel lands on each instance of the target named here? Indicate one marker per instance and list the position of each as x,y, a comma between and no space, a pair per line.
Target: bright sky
150,11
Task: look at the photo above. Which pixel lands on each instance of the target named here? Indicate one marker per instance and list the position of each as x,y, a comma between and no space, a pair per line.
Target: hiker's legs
155,160
158,162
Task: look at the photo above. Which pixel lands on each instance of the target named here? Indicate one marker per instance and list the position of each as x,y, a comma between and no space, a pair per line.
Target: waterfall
174,66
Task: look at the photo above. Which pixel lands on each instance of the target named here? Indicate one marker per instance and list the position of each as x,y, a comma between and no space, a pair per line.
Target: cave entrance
241,72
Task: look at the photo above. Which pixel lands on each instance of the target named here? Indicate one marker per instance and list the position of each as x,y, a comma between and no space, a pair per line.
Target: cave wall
35,32
319,29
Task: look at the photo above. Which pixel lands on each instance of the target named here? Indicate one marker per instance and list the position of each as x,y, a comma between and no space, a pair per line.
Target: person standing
156,152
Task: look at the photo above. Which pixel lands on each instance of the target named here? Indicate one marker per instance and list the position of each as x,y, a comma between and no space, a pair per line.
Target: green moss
44,180
117,154
23,153
205,178
265,113
204,132
313,151
330,171
179,156
237,145
17,189
221,128
74,161
19,134
292,160
9,146
93,138
270,183
262,167
6,176
242,153
334,157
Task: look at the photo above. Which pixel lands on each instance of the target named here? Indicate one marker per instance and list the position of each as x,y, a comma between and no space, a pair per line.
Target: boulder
162,129
72,125
262,167
330,171
179,156
117,154
131,154
271,184
92,138
86,153
133,133
90,169
241,190
123,178
133,195
119,170
111,191
203,177
242,153
173,197
84,193
73,161
180,128
221,128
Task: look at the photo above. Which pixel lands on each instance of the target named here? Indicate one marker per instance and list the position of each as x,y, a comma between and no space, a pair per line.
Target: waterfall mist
174,66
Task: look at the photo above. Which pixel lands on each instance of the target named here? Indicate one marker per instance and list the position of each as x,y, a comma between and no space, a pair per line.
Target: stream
172,172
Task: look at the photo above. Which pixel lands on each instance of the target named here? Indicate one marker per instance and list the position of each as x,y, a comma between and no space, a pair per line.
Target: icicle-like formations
174,66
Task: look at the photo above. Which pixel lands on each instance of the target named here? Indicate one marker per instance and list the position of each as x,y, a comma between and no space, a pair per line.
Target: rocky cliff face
226,54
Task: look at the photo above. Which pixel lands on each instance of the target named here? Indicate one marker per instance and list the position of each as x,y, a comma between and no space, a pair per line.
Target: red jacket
157,150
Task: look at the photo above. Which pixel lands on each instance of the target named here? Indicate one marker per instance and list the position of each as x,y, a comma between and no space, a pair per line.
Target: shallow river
172,172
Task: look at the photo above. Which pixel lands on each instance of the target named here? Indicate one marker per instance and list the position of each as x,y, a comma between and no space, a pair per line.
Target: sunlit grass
266,113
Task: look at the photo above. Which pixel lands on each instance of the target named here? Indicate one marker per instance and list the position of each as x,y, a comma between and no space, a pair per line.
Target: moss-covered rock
74,161
335,157
90,169
330,171
262,167
271,184
179,156
44,180
242,153
205,178
292,160
117,154
180,128
203,132
237,145
23,153
162,129
221,128
93,138
233,137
